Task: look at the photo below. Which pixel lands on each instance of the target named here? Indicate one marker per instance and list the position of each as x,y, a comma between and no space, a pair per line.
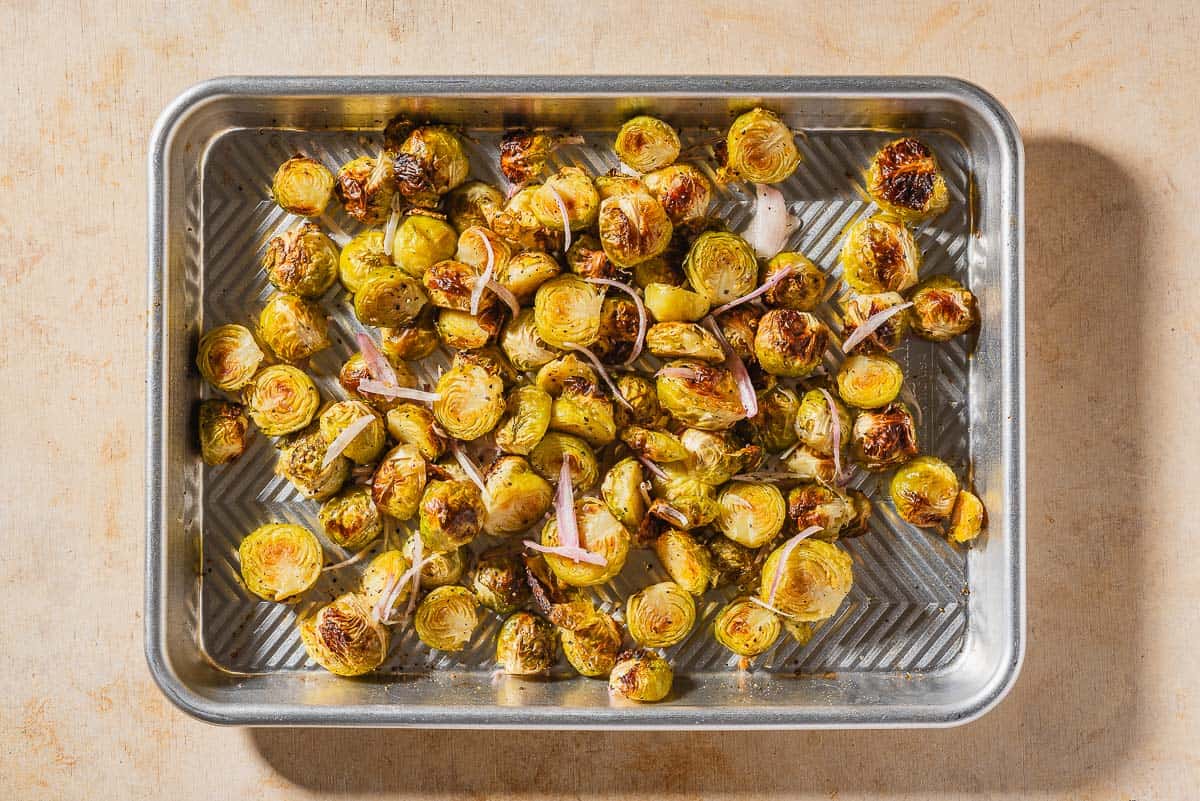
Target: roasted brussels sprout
684,192
554,374
301,261
802,289
861,524
808,465
548,455
224,430
760,148
366,188
721,266
633,227
599,533
526,420
448,285
885,437
518,223
869,381
517,497
739,326
641,675
967,519
619,325
498,580
716,457
476,246
857,309
583,410
525,272
422,241
647,143
524,153
732,562
461,330
302,186
302,462
686,561
430,162
344,637
411,341
368,443
823,506
471,401
700,395
790,343
399,482
388,297
679,340
642,396
656,271
447,618
807,581
774,427
521,343
526,645
751,514
880,255
280,561
942,309
657,446
667,303
437,569
381,580
228,357
746,628
351,519
282,399
567,311
362,255
904,179
415,425
355,371
660,615
593,644
802,632
814,422
473,203
924,491
569,194
586,257
451,514
622,491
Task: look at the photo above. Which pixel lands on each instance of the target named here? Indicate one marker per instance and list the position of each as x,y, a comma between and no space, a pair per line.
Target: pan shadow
1075,711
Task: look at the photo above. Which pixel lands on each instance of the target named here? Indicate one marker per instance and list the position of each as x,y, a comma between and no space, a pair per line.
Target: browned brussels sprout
292,327
366,188
790,343
452,514
760,148
224,431
302,186
684,192
889,334
524,153
924,491
302,261
429,163
942,309
904,179
229,357
884,437
802,289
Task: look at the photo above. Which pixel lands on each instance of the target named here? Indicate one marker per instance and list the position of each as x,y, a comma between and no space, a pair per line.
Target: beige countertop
1105,95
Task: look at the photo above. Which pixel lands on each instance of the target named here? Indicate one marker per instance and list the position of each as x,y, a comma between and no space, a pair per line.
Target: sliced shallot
735,365
501,291
469,468
389,231
350,560
771,224
766,287
377,364
562,211
788,547
343,440
482,281
686,373
835,432
564,507
869,325
574,554
603,371
390,391
652,467
641,310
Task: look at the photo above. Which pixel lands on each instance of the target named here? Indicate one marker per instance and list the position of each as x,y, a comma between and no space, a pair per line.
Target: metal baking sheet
931,634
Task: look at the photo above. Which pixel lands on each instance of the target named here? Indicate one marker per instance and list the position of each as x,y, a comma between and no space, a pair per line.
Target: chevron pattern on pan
907,610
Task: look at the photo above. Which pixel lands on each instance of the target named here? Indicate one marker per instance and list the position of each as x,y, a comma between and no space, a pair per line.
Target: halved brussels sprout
667,303
823,506
447,618
746,628
774,427
368,443
554,374
716,457
880,255
700,395
656,271
619,325
942,309
686,561
524,153
422,241
647,143
760,148
355,371
660,615
721,266
811,584
808,465
280,560
437,569
300,462
351,519
657,446
622,491
567,311
362,255
732,562
642,396
366,188
583,410
224,431
904,179
966,521
498,580
521,343
548,455
802,289
461,330
634,227
525,272
473,249
790,343
526,420
411,341
301,261
924,491
593,644
857,309
526,645
292,327
884,438
399,482
282,399
431,162
415,425
684,502
814,422
684,192
518,223
869,381
388,297
751,514
229,357
616,184
380,579
344,637
517,497
451,514
471,402
641,675
449,284
739,326
586,257
302,186
473,203
600,533
679,340
573,188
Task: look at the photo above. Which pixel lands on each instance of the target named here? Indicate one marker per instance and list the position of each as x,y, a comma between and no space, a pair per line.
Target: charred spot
411,176
891,438
799,335
887,254
335,632
905,174
452,279
520,158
